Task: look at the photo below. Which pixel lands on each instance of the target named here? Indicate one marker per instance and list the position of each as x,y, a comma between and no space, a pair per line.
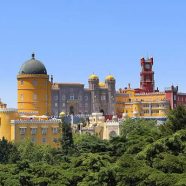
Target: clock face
147,66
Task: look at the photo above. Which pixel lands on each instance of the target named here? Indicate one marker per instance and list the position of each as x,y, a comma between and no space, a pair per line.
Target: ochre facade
143,102
34,94
6,129
32,118
144,105
37,131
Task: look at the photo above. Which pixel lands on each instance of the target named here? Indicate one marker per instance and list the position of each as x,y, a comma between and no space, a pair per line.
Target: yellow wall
141,105
121,99
34,93
10,124
38,136
6,115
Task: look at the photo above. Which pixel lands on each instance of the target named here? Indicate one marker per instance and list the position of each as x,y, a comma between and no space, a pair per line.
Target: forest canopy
145,154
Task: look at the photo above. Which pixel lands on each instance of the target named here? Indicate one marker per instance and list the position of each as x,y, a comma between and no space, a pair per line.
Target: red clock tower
147,75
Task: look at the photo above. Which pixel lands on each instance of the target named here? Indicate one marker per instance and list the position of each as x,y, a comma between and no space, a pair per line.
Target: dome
124,115
101,84
33,66
62,114
93,77
110,78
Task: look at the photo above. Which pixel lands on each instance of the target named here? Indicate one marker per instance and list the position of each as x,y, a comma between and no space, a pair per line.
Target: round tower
33,88
110,83
93,81
94,88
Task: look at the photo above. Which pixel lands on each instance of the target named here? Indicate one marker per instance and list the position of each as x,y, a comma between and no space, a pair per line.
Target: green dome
33,66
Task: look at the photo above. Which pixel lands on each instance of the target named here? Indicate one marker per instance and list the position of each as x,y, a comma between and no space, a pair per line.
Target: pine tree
66,140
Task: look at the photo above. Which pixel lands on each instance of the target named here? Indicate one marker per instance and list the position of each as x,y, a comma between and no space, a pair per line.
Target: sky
75,38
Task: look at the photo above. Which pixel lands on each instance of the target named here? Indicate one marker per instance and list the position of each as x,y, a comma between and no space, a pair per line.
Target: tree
176,119
8,152
169,163
66,132
36,153
90,143
138,133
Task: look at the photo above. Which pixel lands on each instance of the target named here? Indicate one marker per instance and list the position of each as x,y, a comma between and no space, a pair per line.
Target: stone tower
147,75
94,88
110,84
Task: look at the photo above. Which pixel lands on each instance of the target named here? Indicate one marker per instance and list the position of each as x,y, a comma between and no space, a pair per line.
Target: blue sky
75,38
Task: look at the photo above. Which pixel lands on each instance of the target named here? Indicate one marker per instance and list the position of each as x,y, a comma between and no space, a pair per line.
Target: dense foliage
145,155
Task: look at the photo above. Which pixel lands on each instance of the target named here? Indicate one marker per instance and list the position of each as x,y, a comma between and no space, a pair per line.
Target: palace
73,98
40,102
146,102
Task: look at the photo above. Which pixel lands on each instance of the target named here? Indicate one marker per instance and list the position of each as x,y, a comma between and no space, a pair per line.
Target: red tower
147,75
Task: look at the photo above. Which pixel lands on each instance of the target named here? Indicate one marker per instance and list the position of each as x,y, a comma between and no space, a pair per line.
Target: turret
110,83
93,81
34,88
147,75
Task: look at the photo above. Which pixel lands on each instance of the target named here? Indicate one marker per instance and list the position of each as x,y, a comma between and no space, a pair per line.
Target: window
21,105
80,98
35,105
71,97
103,97
56,97
56,104
43,140
21,97
86,98
147,77
145,105
22,130
155,111
55,140
86,104
63,97
146,111
44,131
34,97
63,104
33,140
34,82
55,130
33,131
174,97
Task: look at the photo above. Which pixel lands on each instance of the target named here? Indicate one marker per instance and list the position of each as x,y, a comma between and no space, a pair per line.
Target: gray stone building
74,98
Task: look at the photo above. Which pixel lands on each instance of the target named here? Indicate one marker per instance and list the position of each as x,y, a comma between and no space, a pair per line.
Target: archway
71,110
102,111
